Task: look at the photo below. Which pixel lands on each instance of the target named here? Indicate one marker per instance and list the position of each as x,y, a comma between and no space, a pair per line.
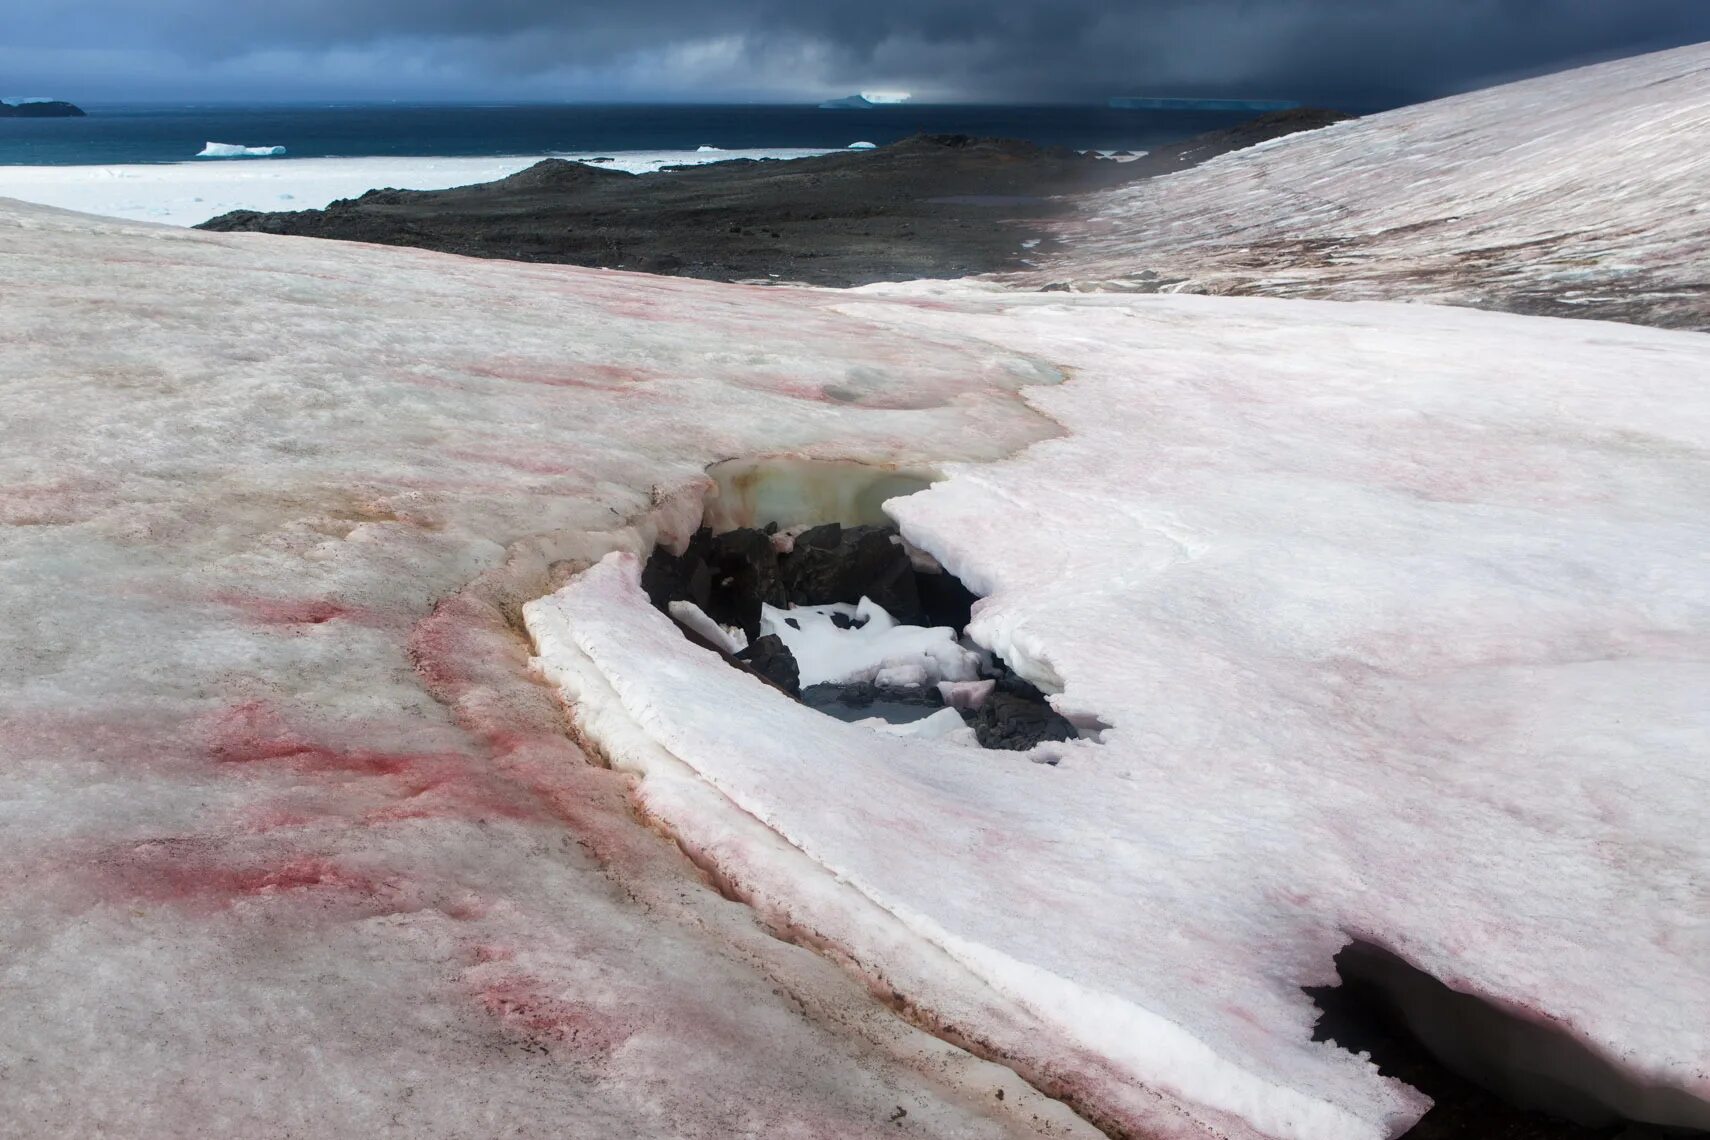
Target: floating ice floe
233,150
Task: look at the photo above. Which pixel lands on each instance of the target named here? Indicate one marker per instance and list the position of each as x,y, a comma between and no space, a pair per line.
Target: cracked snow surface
1574,195
1400,620
1397,615
293,849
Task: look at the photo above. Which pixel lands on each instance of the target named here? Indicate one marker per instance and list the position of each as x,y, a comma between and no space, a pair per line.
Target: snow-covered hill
1576,194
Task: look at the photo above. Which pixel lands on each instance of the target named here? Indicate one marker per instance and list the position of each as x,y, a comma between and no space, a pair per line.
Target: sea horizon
169,132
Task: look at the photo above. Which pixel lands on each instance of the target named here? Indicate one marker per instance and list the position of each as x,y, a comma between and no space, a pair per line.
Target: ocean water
162,134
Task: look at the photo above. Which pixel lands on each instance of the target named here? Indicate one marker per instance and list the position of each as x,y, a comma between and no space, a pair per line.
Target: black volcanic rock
772,659
929,206
44,109
835,563
745,573
1014,722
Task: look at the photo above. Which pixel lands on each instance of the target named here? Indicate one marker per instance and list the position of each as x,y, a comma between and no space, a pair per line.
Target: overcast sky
1357,53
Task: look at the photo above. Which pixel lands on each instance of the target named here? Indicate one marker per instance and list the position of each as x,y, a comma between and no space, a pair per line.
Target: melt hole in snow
843,615
1493,1074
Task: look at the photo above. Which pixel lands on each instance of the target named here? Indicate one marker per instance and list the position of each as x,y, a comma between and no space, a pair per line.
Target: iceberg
862,146
233,150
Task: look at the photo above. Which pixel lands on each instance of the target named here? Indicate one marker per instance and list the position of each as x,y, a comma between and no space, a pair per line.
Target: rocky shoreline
933,206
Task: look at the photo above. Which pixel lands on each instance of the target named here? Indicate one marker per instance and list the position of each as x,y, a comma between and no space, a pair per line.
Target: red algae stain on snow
423,784
527,1007
253,731
515,460
62,503
194,874
601,377
288,611
471,659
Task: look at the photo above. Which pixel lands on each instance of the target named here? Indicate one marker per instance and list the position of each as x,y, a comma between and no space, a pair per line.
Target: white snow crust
1574,194
877,649
1398,617
692,617
188,193
1361,589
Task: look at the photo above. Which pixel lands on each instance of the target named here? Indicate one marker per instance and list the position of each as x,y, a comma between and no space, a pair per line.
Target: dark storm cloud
1348,51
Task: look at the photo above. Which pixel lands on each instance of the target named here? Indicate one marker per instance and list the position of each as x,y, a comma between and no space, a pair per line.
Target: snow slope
1397,615
1576,194
293,844
1362,590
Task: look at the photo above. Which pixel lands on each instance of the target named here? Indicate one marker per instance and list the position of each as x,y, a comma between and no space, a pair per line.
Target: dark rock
833,563
944,600
668,577
856,696
730,575
42,109
745,573
1360,1016
860,694
1013,722
928,206
771,658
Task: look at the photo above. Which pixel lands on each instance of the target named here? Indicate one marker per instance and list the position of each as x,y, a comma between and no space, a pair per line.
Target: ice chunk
730,639
863,146
966,694
908,655
234,150
945,724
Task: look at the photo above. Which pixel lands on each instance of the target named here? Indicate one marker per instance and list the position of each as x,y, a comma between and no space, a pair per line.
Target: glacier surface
1359,590
295,842
1577,194
1395,619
